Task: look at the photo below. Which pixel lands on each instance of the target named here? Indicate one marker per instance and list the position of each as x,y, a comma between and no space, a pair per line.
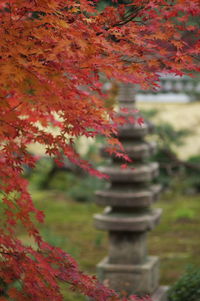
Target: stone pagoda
128,215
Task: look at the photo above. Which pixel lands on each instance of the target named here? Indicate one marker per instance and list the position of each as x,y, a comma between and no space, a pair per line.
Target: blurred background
66,194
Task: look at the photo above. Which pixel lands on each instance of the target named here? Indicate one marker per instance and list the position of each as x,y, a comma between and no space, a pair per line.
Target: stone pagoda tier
128,215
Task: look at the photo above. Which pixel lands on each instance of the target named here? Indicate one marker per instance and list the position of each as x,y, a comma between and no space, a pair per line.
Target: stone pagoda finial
128,215
126,95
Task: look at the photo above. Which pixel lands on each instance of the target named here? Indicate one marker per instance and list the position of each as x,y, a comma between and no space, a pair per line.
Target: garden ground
69,225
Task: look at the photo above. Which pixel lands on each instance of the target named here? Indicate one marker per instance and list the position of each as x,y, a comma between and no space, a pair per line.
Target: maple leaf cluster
53,54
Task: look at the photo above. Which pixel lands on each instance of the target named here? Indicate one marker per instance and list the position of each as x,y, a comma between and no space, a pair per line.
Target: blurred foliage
76,183
3,288
193,180
187,288
104,3
174,173
181,176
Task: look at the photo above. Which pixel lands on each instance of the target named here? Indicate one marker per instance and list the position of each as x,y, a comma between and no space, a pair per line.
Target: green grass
176,239
69,225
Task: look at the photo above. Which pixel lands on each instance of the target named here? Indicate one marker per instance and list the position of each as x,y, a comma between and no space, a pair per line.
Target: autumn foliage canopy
53,56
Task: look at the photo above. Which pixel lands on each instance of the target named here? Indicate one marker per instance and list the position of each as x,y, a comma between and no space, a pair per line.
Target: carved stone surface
139,279
160,294
128,131
127,247
125,222
132,198
140,173
128,215
140,150
136,151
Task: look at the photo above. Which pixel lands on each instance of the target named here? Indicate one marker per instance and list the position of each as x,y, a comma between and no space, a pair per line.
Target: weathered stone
161,294
136,151
127,222
140,151
130,131
128,216
127,247
126,94
131,198
139,279
142,173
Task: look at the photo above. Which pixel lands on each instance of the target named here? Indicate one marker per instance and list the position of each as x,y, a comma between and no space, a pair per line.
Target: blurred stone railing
172,89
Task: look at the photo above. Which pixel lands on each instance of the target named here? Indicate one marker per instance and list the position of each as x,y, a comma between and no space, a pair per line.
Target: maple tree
52,56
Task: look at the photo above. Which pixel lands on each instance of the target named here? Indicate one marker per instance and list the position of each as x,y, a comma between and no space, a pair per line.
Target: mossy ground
69,225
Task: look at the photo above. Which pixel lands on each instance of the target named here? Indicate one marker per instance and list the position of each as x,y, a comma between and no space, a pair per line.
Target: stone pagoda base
135,279
160,294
